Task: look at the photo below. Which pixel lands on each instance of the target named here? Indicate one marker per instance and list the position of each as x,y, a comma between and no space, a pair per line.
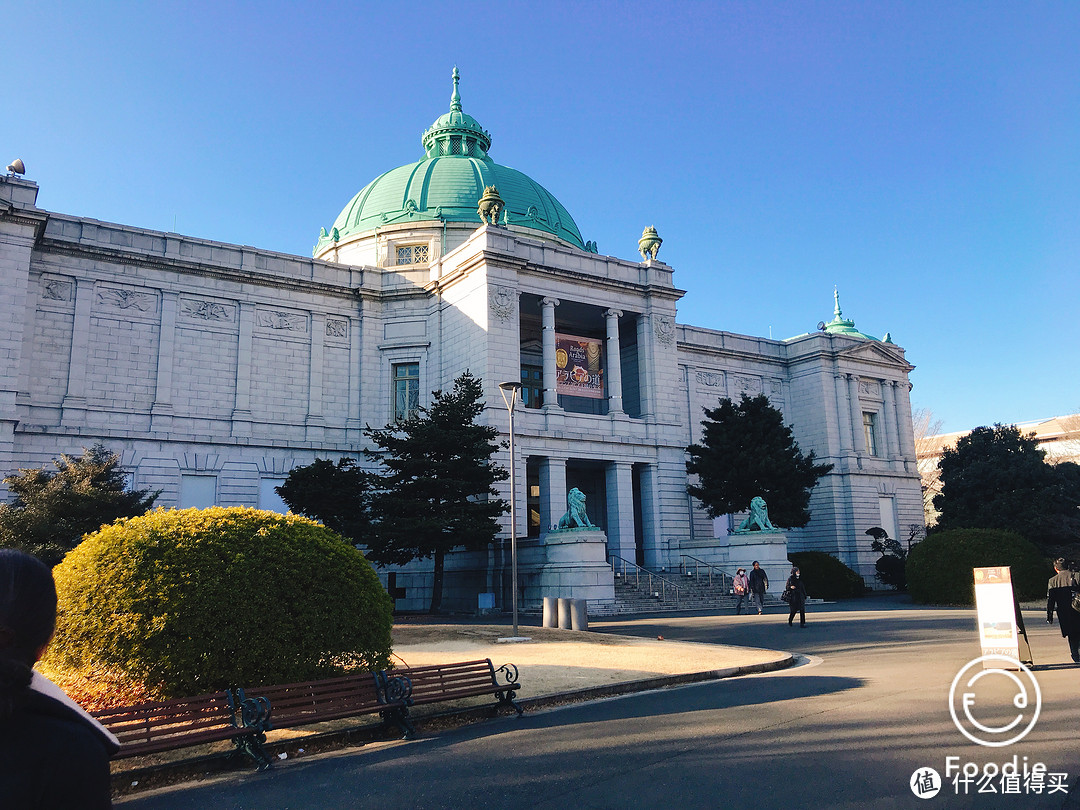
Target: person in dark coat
1059,591
759,583
796,592
53,755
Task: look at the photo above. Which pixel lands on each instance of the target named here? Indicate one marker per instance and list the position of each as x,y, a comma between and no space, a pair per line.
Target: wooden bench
441,682
299,704
155,726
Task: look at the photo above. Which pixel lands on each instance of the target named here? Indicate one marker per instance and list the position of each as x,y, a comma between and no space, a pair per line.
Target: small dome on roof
840,325
446,185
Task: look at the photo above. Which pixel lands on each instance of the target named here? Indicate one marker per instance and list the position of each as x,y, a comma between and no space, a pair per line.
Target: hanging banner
997,612
577,366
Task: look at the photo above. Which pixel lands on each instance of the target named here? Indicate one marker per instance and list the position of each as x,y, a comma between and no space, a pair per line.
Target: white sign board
996,608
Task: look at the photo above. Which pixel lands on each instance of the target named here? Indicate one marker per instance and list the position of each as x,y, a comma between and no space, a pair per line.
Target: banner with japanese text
997,611
578,372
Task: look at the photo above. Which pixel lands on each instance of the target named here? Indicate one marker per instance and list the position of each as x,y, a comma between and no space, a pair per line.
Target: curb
150,777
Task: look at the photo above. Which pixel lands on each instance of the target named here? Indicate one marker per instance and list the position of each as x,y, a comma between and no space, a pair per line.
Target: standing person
796,592
759,583
1059,591
741,585
52,753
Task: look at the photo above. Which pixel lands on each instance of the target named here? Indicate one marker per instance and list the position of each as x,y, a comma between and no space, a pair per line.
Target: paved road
867,708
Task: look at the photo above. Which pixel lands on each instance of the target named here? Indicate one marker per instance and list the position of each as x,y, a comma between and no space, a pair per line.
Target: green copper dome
840,325
447,184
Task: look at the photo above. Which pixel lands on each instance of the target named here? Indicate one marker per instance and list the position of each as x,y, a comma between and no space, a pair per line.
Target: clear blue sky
924,157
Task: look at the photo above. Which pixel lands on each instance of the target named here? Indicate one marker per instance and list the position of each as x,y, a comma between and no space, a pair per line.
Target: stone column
353,423
614,362
646,373
242,409
650,518
547,335
162,411
620,509
552,492
857,436
843,412
889,414
315,424
903,420
74,405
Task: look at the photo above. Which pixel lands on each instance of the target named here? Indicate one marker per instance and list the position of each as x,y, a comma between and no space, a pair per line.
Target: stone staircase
634,595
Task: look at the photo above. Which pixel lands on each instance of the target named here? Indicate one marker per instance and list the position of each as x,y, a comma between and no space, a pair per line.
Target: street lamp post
510,392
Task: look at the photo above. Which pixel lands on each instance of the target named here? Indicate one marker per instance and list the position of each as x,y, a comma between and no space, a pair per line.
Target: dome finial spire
836,303
455,99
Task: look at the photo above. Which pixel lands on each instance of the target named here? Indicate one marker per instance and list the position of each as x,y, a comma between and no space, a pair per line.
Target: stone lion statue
575,517
758,519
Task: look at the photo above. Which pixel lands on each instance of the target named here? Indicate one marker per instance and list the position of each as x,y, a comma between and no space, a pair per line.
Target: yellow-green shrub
200,599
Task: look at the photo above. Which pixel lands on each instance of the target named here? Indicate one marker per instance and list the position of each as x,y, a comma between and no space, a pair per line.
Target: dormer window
412,254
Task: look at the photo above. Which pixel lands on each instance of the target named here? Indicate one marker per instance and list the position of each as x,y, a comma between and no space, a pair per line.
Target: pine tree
437,492
53,510
338,495
746,450
997,478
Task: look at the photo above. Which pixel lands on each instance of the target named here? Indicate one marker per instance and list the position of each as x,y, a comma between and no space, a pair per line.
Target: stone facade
215,369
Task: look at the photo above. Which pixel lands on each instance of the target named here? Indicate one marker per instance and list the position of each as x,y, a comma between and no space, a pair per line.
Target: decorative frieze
337,328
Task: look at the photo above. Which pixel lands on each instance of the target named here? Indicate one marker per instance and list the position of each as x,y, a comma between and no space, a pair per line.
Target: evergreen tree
997,478
746,450
338,495
52,510
437,492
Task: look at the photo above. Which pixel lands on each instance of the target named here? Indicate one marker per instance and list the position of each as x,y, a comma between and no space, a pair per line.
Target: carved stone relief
54,288
501,300
204,310
713,379
751,386
336,328
278,320
870,388
125,299
664,329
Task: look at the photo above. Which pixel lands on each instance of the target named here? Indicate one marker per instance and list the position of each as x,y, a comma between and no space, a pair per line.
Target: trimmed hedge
939,568
197,600
825,576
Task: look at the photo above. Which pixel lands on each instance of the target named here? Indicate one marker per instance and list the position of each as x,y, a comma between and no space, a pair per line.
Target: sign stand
1000,622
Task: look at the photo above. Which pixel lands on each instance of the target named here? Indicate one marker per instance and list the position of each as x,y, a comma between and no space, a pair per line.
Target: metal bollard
579,614
551,614
564,613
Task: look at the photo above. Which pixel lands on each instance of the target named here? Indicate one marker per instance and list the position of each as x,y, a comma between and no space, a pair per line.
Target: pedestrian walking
741,586
759,583
52,753
1059,592
796,597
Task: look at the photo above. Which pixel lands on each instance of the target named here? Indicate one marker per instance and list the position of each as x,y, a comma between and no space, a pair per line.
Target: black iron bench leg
507,699
251,744
399,716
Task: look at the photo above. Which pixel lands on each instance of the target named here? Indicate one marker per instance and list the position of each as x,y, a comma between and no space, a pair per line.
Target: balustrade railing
657,585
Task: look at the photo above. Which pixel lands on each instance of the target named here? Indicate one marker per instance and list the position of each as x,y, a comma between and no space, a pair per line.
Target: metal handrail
618,562
698,565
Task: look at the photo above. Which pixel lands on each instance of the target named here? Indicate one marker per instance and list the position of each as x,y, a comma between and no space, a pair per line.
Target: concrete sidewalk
555,667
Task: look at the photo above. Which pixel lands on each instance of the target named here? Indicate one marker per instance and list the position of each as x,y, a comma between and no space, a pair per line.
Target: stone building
215,369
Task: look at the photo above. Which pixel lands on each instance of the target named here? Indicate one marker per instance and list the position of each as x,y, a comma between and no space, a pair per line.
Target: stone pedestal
768,548
574,566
